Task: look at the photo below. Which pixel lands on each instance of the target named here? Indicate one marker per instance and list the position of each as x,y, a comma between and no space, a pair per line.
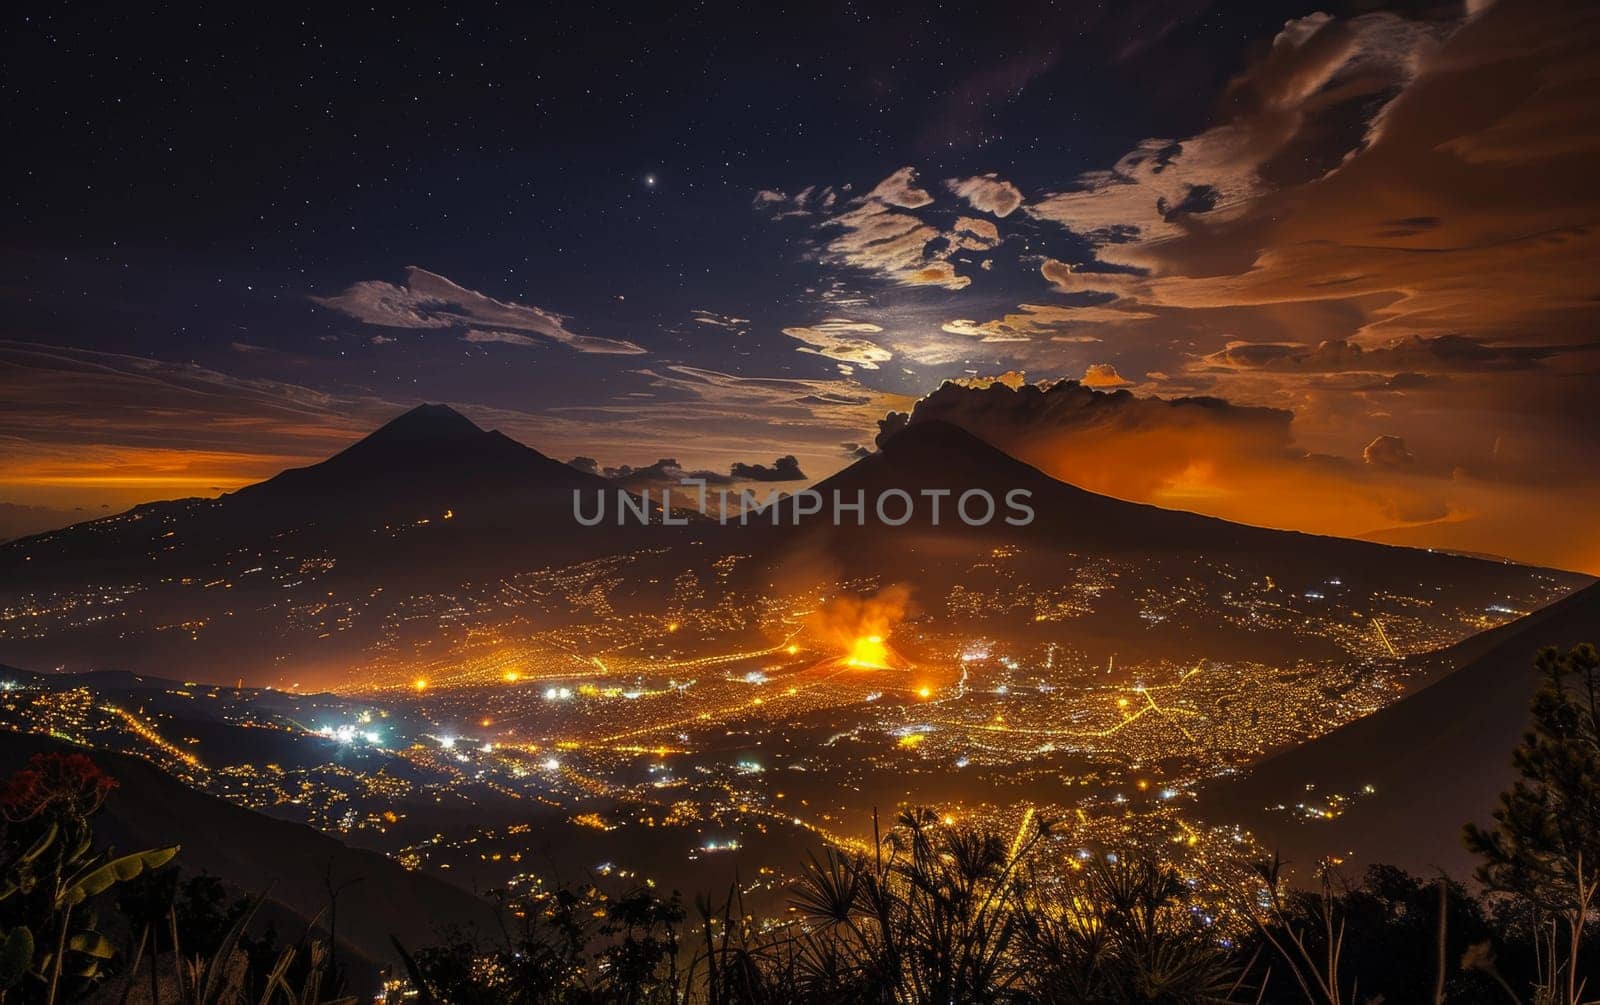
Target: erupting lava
858,627
868,653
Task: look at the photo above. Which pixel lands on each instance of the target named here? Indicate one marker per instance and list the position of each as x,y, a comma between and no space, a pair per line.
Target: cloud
1416,353
1387,231
1318,69
1374,173
784,469
430,301
1013,379
509,338
1199,453
900,189
1058,322
874,237
1070,279
1103,375
726,322
882,232
973,234
839,339
889,425
987,193
666,472
809,201
1388,452
725,417
987,331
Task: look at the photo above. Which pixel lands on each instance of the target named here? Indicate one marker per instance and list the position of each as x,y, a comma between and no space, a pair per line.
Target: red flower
71,781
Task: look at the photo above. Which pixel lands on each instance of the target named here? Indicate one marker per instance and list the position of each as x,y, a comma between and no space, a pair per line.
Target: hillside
1435,760
253,852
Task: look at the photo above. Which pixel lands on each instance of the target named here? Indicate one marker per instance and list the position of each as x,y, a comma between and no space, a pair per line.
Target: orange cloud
1243,463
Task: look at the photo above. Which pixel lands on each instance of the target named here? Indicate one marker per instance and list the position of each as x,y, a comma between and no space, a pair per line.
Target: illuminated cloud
1200,453
874,237
1318,67
882,233
1386,233
809,201
430,301
726,322
840,339
1373,173
509,338
900,189
987,193
1056,322
1013,379
1068,279
1103,375
987,331
1388,452
973,234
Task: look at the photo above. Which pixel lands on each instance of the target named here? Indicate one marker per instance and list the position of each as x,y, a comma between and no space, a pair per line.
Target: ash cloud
784,469
668,473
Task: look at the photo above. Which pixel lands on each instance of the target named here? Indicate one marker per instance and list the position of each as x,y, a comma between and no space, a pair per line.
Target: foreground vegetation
934,914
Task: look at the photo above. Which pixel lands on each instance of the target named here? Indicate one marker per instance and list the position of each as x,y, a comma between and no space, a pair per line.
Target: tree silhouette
1544,846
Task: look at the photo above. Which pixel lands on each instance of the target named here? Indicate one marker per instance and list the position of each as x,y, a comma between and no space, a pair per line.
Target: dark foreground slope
1435,760
253,852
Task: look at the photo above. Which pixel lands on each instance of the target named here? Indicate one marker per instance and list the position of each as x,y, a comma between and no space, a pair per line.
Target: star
649,181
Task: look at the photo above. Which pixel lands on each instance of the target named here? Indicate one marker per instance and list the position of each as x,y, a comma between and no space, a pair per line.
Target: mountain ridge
430,505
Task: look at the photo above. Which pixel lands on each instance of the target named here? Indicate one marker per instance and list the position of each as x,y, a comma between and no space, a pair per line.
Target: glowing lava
868,653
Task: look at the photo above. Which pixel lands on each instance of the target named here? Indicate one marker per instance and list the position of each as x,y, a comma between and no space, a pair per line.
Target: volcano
313,567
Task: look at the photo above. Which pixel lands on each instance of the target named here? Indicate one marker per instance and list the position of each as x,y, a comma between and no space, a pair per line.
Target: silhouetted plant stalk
931,916
1316,972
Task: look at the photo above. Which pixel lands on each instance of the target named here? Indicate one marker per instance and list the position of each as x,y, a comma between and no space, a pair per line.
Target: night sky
236,239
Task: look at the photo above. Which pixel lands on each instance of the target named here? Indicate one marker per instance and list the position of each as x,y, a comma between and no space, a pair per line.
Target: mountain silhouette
938,455
431,452
431,502
483,496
